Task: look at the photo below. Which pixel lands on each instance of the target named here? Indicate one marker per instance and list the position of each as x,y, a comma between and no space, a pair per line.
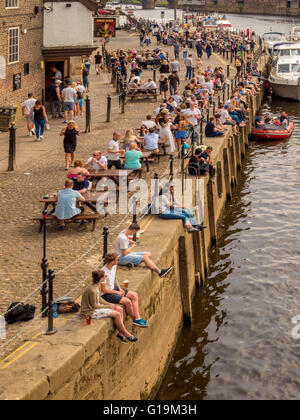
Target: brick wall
30,44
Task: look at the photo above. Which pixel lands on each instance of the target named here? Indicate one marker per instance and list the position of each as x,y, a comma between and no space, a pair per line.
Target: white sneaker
38,139
33,131
41,137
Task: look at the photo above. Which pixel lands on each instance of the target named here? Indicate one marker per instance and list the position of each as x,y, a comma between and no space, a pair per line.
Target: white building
68,36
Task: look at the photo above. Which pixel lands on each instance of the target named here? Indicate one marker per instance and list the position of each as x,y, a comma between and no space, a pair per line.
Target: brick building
21,60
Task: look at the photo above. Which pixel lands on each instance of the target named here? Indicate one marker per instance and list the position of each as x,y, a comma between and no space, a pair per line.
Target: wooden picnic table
113,174
91,198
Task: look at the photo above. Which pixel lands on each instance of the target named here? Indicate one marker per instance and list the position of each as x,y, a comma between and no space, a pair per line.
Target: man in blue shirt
151,141
199,49
80,183
211,130
66,204
206,164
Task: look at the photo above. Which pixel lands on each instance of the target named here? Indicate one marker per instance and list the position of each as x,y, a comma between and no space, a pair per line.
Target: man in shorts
124,248
98,62
113,293
68,96
27,106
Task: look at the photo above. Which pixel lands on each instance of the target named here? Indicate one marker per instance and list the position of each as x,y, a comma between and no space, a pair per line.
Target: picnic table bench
142,94
91,198
50,217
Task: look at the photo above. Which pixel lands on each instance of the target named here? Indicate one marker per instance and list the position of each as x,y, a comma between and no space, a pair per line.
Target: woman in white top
165,133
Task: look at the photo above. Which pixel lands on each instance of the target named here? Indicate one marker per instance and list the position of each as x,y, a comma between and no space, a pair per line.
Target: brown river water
240,345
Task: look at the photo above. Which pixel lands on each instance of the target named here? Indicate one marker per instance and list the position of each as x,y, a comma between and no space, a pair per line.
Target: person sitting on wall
168,209
113,293
124,248
206,164
211,129
92,305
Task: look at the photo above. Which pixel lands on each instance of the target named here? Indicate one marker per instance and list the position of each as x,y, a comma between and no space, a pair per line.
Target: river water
240,345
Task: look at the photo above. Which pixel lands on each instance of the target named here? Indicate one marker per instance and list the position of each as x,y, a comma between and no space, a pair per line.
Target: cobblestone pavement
75,252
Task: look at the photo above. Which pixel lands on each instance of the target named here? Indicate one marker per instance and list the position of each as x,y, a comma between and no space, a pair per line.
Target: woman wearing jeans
168,209
39,119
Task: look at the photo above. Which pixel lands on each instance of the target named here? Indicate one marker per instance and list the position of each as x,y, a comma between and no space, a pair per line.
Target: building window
11,4
13,46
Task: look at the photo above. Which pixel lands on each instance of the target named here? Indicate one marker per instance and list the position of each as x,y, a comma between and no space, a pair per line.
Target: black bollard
87,115
228,70
124,90
182,167
105,234
51,330
171,167
201,132
134,211
108,112
214,108
154,74
12,148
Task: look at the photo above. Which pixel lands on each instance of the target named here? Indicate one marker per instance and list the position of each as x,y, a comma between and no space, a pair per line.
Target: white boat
288,48
285,77
272,38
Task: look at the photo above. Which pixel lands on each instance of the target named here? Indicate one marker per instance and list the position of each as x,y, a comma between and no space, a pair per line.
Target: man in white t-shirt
124,249
68,96
96,162
113,293
150,85
114,152
148,122
27,106
193,114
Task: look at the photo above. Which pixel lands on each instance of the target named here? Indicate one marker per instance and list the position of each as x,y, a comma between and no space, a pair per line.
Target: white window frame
11,1
18,45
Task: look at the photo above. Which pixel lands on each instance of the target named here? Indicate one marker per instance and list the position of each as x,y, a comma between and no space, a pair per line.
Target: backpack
193,166
17,311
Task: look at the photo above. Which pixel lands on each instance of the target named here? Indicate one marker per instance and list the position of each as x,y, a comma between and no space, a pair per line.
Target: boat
285,77
284,48
273,132
272,38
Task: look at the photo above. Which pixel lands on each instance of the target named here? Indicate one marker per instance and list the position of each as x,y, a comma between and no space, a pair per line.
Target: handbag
47,127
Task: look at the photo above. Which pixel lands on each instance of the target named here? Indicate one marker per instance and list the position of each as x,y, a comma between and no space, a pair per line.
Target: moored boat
272,132
272,38
285,77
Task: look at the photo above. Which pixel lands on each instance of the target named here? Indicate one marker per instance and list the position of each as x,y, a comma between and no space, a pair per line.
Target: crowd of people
173,127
